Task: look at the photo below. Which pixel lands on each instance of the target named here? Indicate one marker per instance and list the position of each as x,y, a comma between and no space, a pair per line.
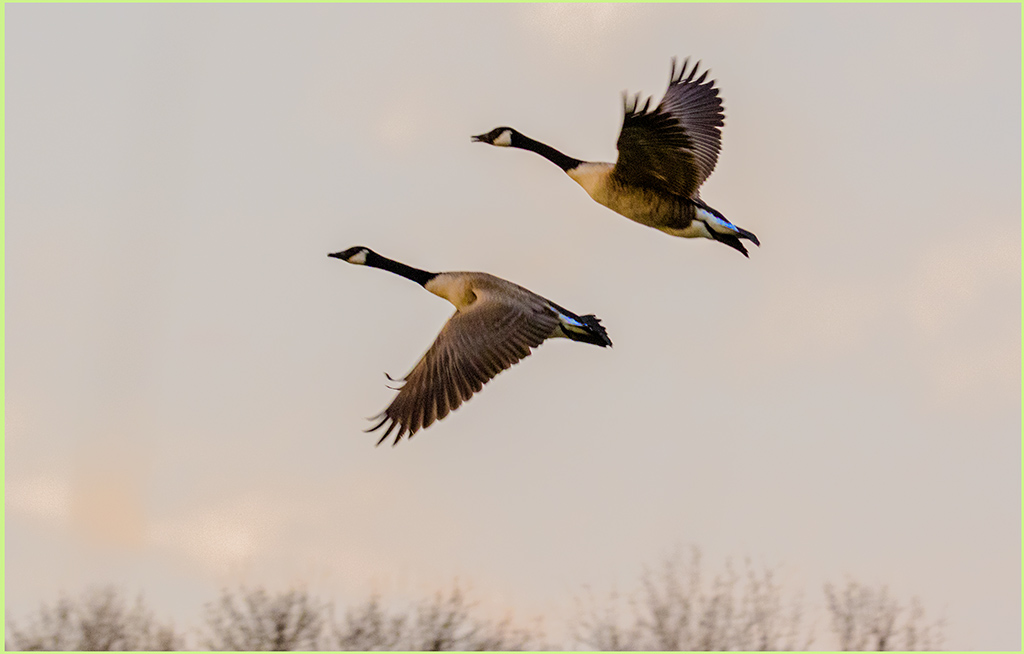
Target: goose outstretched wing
476,343
674,147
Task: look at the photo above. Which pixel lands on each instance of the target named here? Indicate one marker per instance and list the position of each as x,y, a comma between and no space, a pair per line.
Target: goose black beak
478,138
336,255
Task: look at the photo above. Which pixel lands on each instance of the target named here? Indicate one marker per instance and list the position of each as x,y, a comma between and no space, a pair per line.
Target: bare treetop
98,620
252,620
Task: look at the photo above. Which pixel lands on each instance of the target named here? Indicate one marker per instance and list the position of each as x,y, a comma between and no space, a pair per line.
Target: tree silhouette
674,609
866,619
250,619
443,623
369,628
98,620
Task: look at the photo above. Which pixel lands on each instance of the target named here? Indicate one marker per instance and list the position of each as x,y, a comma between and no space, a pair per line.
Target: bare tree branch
98,620
444,623
867,619
251,620
674,609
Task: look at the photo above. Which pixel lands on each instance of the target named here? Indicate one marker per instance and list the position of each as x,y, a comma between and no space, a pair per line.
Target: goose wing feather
675,146
476,344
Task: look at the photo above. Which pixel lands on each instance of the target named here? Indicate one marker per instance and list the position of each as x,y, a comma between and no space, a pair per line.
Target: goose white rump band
696,229
720,225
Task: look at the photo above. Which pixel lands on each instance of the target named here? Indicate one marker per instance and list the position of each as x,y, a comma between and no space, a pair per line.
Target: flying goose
495,324
665,154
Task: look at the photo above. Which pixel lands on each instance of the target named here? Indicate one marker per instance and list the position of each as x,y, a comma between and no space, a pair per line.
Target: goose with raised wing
665,154
496,323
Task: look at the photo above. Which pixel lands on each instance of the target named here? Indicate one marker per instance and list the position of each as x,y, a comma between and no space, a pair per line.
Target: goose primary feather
496,324
665,155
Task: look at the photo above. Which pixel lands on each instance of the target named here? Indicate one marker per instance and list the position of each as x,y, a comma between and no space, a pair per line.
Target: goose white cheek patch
504,139
359,258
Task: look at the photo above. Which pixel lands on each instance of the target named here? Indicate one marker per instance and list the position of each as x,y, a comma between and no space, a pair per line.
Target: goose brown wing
674,147
475,344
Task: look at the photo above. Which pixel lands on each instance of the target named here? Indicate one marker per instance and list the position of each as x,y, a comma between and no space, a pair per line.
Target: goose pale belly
667,213
670,214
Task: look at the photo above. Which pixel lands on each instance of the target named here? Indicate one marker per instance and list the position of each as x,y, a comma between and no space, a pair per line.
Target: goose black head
356,255
499,136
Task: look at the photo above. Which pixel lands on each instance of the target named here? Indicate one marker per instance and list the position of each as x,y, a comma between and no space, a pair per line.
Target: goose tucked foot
730,240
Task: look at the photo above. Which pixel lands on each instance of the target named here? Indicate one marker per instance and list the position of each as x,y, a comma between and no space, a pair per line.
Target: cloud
103,506
820,318
107,507
352,533
963,303
951,279
43,496
579,29
223,538
954,314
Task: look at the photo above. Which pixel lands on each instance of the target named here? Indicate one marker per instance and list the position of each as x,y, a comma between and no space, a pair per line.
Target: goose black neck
421,277
563,161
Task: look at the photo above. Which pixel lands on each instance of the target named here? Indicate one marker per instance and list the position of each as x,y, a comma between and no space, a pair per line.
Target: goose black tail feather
591,330
594,333
749,236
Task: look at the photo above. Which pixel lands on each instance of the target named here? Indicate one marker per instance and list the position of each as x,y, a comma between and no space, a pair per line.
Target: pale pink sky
187,373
